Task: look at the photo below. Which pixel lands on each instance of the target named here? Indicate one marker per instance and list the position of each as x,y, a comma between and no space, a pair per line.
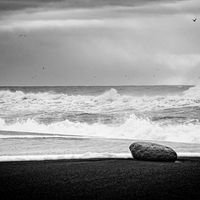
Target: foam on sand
80,156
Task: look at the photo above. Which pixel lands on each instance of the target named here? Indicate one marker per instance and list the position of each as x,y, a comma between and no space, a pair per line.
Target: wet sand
100,179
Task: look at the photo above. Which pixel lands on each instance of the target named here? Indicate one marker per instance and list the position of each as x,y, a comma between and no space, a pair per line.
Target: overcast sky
99,42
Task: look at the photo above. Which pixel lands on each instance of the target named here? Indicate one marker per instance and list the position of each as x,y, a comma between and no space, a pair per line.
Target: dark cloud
13,5
116,45
9,5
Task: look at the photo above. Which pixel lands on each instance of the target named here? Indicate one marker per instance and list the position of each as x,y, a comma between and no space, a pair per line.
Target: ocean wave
133,127
193,92
110,95
109,101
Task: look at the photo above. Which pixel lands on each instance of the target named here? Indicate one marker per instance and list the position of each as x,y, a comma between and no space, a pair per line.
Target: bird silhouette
194,20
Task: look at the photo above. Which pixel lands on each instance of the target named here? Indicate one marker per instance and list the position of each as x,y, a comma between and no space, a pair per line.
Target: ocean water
96,121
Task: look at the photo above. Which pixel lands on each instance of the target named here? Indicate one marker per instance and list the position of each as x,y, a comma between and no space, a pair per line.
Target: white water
132,128
79,156
27,112
193,92
108,101
129,127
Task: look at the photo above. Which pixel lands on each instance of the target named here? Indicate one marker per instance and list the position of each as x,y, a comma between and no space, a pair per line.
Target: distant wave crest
110,100
193,92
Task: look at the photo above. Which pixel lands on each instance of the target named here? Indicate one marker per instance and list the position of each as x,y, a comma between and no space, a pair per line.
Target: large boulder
152,152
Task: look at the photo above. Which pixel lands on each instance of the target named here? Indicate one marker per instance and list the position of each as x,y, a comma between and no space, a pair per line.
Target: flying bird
194,20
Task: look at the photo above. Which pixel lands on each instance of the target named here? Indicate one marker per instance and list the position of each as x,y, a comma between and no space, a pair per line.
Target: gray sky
99,42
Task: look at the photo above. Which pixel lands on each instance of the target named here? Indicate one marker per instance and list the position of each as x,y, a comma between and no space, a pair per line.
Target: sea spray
132,128
167,113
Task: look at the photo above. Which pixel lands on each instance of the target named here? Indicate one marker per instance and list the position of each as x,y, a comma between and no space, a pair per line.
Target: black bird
194,20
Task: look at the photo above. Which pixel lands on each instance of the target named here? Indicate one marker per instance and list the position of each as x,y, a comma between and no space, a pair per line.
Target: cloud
114,13
179,62
42,24
118,43
11,5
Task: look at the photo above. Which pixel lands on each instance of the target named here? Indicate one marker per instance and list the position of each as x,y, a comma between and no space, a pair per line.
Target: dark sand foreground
100,179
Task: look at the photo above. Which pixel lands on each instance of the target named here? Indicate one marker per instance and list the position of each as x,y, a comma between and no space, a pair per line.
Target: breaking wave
110,100
64,110
132,128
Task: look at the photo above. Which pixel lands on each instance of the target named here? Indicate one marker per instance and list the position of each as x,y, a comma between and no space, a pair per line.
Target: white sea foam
79,156
110,95
132,128
88,155
108,101
47,115
25,136
193,92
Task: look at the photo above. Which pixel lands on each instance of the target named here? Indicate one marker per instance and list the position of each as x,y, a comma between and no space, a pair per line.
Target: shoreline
85,156
100,178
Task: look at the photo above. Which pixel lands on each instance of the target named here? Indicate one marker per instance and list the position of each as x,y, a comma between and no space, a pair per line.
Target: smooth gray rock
152,152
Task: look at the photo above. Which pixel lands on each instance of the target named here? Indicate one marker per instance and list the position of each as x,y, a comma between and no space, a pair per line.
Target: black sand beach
100,179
